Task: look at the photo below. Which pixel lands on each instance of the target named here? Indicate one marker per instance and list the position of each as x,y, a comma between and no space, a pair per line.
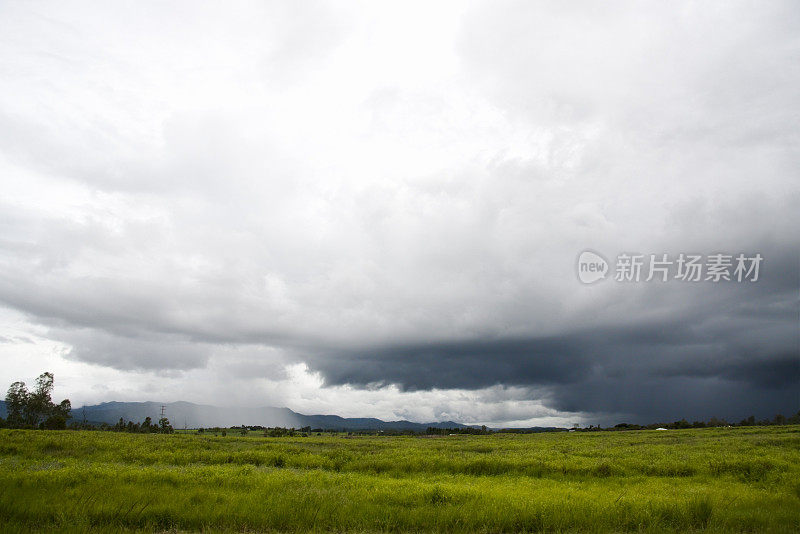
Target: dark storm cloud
645,350
728,350
649,372
466,364
780,370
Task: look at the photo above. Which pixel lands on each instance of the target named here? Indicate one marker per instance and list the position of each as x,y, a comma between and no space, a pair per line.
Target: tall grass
742,479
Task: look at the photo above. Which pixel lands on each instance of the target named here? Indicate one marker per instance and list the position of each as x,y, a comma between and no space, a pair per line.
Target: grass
727,480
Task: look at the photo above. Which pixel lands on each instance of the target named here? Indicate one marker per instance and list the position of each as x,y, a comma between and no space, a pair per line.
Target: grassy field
734,479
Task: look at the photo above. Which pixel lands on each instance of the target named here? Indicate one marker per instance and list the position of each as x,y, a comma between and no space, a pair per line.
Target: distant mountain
191,415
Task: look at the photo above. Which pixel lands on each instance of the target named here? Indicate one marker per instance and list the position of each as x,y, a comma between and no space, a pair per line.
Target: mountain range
190,415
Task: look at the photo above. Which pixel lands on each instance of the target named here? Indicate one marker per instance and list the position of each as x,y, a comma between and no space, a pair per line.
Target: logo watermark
684,267
591,267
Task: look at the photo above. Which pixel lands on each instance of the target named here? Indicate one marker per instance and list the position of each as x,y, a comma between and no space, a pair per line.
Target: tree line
779,419
36,410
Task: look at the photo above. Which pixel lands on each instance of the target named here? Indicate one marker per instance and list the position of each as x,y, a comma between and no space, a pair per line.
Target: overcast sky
376,209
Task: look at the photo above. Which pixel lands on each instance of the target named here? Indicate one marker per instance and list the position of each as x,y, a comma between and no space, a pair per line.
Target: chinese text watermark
664,268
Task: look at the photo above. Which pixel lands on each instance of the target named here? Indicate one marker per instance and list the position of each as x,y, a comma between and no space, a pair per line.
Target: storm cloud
377,209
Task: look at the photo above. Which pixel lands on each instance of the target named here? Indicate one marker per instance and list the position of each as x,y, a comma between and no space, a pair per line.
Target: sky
377,209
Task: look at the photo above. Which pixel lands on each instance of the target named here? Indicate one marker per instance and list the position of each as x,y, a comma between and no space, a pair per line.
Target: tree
36,409
40,405
54,422
57,420
63,409
16,402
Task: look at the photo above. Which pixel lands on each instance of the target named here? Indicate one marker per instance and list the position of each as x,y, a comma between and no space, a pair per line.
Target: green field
718,479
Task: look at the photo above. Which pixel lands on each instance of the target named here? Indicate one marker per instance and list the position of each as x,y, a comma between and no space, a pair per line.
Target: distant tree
164,426
717,422
147,426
